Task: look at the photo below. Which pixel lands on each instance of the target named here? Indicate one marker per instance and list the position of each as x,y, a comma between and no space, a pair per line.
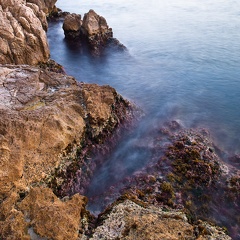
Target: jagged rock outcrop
45,119
129,220
93,30
43,116
48,7
22,37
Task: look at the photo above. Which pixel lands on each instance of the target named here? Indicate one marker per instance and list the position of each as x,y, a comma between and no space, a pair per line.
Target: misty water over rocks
182,64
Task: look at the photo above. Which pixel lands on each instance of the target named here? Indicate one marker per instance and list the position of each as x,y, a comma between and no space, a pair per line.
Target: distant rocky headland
52,127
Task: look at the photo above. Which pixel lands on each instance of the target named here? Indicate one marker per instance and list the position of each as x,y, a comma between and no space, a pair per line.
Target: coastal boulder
93,32
94,24
72,26
46,120
22,37
98,34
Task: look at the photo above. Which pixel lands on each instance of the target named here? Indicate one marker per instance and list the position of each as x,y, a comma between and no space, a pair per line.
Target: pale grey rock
129,220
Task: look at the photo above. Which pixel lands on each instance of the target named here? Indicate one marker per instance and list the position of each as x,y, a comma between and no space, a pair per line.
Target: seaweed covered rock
22,38
188,173
184,171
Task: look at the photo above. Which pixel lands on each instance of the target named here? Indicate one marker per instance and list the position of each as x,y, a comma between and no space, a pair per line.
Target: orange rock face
43,115
44,119
41,214
51,217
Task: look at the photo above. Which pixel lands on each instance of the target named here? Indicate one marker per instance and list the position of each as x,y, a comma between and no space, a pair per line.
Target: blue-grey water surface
184,59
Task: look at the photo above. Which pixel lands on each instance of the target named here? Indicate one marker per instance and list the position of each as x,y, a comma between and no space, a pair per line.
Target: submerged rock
183,172
93,30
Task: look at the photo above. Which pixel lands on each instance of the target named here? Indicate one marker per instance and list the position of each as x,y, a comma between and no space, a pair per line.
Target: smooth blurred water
183,64
183,61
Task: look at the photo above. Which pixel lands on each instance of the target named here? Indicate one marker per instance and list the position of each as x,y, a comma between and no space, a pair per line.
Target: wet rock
92,31
95,24
52,66
22,37
72,26
97,32
182,173
129,220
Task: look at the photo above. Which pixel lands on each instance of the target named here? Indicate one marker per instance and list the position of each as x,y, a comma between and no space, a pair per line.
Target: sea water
183,61
183,64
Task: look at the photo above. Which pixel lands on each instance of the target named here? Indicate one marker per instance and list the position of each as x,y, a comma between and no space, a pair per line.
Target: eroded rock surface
48,7
44,115
41,215
129,220
45,119
72,26
22,37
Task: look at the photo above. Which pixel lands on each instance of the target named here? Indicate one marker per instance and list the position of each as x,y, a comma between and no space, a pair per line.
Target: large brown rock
52,218
98,34
95,24
22,36
72,26
45,118
44,115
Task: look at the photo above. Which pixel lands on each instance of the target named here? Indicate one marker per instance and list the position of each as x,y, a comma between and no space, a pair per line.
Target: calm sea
183,62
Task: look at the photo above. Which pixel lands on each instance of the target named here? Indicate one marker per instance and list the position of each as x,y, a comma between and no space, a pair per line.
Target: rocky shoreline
55,131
